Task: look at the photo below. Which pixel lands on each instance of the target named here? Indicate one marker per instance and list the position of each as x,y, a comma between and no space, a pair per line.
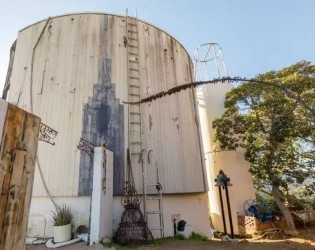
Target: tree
273,118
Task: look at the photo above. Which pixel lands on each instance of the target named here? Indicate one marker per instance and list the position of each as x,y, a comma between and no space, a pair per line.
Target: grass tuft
179,237
197,237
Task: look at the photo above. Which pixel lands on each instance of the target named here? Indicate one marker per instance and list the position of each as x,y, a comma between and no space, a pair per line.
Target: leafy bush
268,202
62,216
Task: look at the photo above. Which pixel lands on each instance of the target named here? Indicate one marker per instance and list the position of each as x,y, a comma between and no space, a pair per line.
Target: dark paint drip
103,122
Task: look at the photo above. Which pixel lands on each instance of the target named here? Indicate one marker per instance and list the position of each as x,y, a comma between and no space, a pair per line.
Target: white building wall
211,106
102,200
40,220
193,208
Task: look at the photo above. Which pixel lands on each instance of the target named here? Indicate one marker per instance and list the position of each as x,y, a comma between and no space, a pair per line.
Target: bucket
62,233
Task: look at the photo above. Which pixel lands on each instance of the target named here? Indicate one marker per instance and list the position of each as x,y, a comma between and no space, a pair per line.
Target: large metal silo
74,71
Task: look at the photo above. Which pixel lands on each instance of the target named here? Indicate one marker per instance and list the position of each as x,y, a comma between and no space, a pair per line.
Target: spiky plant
62,216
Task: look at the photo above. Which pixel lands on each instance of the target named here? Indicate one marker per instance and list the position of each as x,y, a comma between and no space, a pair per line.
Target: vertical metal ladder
132,45
156,197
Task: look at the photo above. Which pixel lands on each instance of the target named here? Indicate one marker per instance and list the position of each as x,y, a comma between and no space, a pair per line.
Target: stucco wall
192,208
102,210
211,106
40,223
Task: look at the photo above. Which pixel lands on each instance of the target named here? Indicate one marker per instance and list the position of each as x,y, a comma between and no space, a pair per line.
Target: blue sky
256,36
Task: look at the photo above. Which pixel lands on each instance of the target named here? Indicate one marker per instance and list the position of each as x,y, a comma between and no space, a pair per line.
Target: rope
32,63
31,110
45,186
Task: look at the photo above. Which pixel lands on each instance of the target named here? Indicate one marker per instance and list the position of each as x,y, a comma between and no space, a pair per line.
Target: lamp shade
221,180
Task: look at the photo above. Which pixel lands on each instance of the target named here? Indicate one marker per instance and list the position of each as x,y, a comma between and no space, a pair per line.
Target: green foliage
158,242
193,237
179,237
273,119
197,237
268,202
62,216
302,196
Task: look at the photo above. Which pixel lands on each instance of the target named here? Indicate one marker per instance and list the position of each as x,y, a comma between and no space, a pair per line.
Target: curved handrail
151,151
141,155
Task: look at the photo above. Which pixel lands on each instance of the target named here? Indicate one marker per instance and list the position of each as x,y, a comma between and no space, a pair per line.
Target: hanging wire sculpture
46,134
87,147
132,228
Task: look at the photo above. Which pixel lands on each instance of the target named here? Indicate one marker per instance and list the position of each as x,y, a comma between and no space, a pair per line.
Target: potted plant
62,224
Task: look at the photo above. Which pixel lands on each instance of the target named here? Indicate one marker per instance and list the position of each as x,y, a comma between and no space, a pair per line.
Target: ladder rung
153,197
133,39
134,77
154,212
155,184
134,94
132,31
132,24
135,113
133,46
135,61
135,142
155,228
135,122
133,54
134,86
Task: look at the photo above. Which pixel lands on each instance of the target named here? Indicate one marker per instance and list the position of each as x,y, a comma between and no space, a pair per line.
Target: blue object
260,213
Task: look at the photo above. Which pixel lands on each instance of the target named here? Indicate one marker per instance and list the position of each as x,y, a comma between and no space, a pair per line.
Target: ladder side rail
143,164
127,49
161,218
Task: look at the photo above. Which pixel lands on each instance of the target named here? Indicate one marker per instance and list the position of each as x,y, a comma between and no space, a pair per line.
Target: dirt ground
306,240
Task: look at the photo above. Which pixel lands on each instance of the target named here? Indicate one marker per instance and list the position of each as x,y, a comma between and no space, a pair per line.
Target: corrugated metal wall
79,83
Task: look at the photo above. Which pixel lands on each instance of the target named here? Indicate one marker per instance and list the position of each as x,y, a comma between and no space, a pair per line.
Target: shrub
62,216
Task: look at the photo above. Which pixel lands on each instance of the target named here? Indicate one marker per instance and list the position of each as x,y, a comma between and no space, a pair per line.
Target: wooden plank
17,163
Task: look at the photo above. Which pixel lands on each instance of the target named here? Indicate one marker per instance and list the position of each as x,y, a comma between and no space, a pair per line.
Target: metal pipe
229,208
222,210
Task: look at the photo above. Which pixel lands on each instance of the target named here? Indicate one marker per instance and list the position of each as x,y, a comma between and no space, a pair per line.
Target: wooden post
18,145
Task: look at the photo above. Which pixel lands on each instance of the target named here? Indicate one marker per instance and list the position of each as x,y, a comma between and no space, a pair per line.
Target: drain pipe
50,243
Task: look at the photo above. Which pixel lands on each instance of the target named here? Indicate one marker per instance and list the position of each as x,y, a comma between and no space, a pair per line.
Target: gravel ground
305,241
75,246
216,245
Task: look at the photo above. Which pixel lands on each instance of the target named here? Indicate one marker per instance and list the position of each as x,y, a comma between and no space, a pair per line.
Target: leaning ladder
134,117
156,197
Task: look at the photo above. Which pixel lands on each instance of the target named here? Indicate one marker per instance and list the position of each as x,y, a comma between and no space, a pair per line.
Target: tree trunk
284,210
